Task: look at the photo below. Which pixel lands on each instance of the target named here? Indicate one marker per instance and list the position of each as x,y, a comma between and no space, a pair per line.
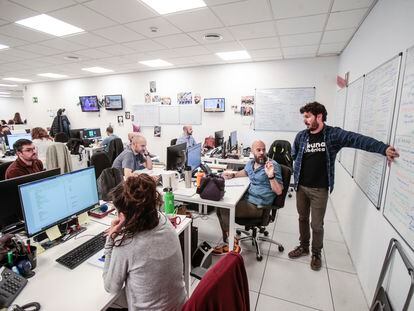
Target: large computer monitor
176,157
89,103
194,156
92,133
218,138
76,133
12,138
54,200
233,140
11,211
113,102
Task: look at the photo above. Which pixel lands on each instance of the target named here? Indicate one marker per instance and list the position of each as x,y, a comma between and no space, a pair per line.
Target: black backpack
281,152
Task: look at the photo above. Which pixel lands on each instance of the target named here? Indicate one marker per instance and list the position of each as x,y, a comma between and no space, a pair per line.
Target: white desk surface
7,159
56,287
241,161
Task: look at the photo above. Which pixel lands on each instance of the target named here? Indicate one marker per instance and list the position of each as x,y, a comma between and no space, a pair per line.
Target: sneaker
299,251
223,249
316,262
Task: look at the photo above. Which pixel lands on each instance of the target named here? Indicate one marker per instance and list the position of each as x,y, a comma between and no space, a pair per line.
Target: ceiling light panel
169,6
234,55
155,63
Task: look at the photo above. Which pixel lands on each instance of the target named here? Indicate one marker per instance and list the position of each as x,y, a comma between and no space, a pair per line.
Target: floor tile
287,223
253,299
330,214
267,303
337,256
332,232
254,269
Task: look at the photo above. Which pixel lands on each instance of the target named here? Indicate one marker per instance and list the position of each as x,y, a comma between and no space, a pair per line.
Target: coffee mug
175,221
170,179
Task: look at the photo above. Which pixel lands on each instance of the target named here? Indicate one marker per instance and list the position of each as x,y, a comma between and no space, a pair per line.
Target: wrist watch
273,177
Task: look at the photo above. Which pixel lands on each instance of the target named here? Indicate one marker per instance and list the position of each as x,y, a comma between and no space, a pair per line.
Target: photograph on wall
247,104
184,98
156,99
153,86
147,98
127,115
165,100
132,118
157,131
197,98
136,128
120,120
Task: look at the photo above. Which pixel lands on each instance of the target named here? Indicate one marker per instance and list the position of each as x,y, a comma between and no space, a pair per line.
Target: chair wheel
238,232
281,249
289,195
266,233
259,258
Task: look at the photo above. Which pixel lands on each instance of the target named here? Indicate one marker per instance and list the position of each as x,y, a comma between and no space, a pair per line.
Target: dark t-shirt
313,171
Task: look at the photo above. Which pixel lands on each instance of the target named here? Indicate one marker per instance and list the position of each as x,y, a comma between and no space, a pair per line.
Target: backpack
281,152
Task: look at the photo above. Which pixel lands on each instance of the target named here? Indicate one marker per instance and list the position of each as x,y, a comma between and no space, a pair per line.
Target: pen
28,246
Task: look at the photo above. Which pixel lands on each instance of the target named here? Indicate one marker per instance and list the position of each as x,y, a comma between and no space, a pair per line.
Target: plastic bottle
169,207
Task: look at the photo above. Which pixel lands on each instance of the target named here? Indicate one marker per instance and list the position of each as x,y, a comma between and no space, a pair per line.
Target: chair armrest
198,272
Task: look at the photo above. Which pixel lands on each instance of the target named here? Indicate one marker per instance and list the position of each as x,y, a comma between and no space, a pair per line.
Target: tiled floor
279,283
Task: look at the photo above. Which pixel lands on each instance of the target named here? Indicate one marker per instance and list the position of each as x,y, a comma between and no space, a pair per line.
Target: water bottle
187,176
169,207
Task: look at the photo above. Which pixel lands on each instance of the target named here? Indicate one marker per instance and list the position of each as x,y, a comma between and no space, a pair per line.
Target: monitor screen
51,201
76,133
89,103
113,102
176,156
92,133
194,156
233,139
214,104
11,211
12,138
218,138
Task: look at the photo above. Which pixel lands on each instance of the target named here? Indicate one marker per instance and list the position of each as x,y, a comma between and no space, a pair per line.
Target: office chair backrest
109,179
61,137
173,142
100,161
3,169
281,152
286,175
115,148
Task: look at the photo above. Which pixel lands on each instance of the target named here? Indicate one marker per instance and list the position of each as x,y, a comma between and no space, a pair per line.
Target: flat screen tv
113,102
214,104
89,103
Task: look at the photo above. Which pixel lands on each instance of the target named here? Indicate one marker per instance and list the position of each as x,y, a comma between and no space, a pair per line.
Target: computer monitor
194,156
214,104
12,138
176,157
76,133
113,102
11,211
54,200
89,103
92,133
218,138
233,140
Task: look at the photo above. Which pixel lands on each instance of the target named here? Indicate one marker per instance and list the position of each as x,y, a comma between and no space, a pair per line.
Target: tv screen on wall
214,104
89,103
113,102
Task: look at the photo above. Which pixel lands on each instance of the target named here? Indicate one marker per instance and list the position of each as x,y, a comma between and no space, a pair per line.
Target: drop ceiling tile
39,49
300,50
261,43
19,53
43,6
243,12
92,53
194,20
308,55
163,54
176,41
116,49
89,40
298,25
266,53
331,48
23,33
296,8
63,45
83,17
207,59
344,5
341,35
115,60
164,27
178,61
199,35
12,12
14,67
3,22
6,58
144,45
253,31
225,47
134,58
9,41
347,19
53,60
119,34
122,11
312,38
191,51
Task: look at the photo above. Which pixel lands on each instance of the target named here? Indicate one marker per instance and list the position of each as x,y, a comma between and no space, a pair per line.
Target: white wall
386,32
10,105
229,81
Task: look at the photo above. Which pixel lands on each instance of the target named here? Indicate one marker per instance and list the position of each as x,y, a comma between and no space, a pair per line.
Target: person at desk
265,183
134,158
42,141
187,137
26,162
142,249
107,140
314,151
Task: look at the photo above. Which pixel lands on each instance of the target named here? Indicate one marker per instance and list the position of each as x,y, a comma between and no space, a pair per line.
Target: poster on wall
153,86
157,131
127,115
247,104
197,98
132,118
184,98
136,128
156,99
147,98
165,100
120,120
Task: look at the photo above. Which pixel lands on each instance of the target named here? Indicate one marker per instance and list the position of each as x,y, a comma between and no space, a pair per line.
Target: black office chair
61,137
258,225
3,169
100,161
173,142
281,152
114,149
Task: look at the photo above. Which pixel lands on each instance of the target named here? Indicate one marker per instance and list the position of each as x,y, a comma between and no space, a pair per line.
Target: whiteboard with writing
146,115
278,109
351,123
399,200
377,110
340,102
169,114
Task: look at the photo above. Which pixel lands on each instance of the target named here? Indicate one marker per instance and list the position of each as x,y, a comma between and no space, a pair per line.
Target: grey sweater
151,266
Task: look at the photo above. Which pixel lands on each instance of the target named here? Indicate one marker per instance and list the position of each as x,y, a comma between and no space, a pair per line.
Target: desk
231,197
241,161
56,287
7,159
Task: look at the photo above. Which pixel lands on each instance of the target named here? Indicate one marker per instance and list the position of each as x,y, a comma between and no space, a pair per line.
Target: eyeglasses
29,150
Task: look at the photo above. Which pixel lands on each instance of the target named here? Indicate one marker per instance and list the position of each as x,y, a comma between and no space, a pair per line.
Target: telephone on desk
215,152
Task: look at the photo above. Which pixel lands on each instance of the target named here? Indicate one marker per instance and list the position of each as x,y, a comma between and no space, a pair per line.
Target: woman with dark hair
42,141
17,118
142,249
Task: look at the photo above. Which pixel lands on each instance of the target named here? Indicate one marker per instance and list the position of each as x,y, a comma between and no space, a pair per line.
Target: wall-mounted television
89,103
113,102
214,104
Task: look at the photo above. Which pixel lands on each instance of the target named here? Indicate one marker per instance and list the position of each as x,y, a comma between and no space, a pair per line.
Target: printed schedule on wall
340,102
399,200
377,113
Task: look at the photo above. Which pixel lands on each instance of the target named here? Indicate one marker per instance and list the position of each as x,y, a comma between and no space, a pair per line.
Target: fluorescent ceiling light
2,46
50,25
17,79
171,6
5,93
9,85
234,55
97,69
52,75
155,63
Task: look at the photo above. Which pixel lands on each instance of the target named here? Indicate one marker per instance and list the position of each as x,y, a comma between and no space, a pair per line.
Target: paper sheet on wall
146,115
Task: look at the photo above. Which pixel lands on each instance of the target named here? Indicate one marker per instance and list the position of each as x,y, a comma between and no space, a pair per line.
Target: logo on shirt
315,147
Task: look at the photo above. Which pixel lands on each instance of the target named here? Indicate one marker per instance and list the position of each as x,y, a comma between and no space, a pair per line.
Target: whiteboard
169,114
340,102
376,120
190,114
351,122
399,200
278,109
146,115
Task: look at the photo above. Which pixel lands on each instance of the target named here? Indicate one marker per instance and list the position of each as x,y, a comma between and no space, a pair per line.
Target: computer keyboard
84,251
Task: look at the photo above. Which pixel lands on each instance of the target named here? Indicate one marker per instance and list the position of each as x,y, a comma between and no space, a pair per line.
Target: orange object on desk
199,176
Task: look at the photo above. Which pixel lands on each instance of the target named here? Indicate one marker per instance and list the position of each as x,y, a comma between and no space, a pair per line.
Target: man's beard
260,159
313,126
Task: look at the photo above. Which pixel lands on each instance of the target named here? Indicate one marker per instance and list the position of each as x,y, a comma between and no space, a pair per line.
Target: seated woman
42,141
142,249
